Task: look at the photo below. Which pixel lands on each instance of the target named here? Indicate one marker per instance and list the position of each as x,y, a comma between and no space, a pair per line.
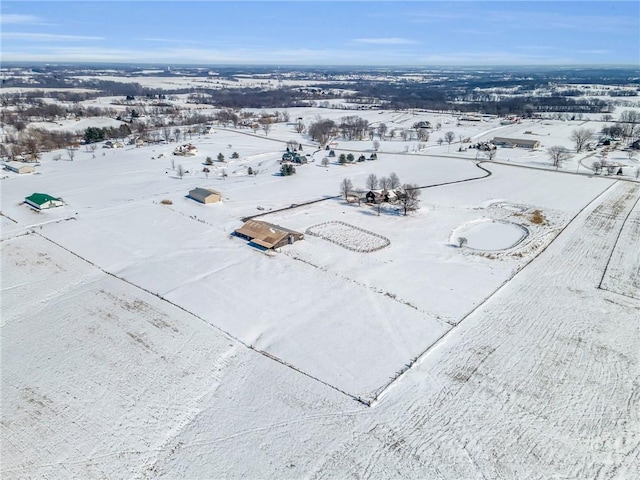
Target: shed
205,195
267,235
43,201
515,142
19,167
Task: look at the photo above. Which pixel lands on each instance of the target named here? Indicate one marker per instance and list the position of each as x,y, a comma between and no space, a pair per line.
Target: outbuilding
19,167
42,201
267,235
515,142
205,195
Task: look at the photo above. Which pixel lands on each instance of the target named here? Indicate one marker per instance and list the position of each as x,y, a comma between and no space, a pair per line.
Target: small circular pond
490,235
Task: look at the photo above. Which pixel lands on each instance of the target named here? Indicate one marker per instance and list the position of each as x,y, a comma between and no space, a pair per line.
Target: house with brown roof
267,235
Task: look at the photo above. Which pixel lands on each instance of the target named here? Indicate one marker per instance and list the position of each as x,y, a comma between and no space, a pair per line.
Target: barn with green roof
42,201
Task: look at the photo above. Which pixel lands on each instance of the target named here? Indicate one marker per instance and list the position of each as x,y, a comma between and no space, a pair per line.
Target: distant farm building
267,235
42,201
515,142
19,167
205,195
186,150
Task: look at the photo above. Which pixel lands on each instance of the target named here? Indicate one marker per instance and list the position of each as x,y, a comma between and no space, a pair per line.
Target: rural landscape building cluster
232,271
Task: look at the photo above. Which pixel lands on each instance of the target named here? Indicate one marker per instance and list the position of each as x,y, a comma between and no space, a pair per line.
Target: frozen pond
491,235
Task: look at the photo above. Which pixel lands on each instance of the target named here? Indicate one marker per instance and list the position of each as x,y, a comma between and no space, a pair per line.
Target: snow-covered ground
141,339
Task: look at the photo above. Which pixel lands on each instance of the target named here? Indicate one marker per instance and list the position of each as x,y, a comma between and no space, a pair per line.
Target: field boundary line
385,388
613,249
227,334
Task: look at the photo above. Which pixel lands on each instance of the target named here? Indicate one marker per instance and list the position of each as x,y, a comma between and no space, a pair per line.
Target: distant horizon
311,33
160,65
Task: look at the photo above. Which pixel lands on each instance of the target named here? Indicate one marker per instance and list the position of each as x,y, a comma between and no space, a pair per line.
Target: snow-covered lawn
143,340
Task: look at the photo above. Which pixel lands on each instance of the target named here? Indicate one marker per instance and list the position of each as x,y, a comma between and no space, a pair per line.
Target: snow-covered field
142,340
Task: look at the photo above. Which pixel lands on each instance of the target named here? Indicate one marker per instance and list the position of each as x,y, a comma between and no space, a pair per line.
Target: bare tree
462,241
300,126
322,131
384,183
180,171
382,130
491,153
449,137
166,134
372,181
581,137
376,145
177,133
394,181
325,161
71,153
597,167
31,144
629,120
558,155
423,134
607,117
346,187
409,197
266,123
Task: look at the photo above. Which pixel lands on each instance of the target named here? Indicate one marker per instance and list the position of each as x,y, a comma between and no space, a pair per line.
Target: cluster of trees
407,195
97,134
254,98
323,131
287,169
350,158
353,127
32,141
627,127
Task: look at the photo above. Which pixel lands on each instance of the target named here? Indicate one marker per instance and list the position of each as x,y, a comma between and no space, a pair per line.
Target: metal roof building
267,235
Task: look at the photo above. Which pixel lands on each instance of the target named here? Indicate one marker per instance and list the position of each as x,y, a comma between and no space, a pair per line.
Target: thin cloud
385,41
46,37
17,19
169,40
595,52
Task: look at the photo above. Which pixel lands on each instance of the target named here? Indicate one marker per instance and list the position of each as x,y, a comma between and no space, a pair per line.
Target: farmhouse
186,150
515,142
380,197
205,195
267,235
43,201
19,167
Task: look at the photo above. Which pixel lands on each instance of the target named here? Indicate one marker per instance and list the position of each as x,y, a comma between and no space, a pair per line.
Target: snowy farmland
142,340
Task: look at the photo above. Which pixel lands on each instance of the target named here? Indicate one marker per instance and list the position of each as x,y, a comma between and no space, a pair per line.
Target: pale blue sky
323,33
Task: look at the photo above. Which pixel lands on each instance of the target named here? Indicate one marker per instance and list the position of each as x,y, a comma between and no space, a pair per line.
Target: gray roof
200,194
